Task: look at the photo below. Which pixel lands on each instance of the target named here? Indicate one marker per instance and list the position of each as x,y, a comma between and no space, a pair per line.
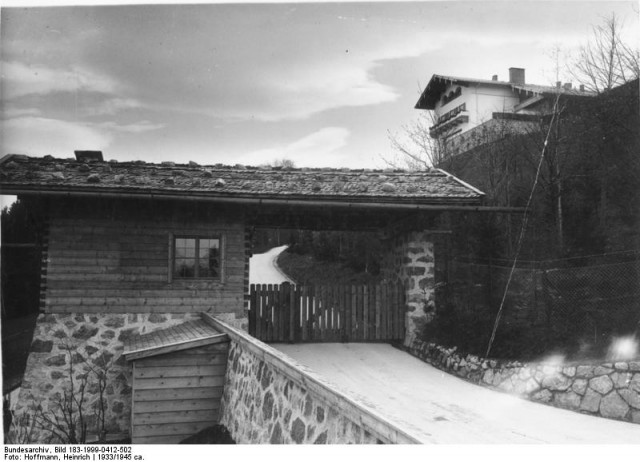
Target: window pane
185,267
204,269
180,245
206,245
209,257
185,248
190,248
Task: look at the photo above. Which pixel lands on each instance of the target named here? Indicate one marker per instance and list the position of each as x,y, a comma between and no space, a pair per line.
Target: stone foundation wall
610,390
411,260
268,398
95,339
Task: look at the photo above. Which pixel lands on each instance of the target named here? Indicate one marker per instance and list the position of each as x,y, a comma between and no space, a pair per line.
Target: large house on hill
463,106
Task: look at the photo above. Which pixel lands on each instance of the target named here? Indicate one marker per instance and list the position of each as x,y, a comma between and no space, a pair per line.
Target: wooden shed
178,380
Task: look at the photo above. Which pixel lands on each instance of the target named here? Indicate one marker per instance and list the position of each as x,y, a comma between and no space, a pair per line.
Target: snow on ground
439,408
263,268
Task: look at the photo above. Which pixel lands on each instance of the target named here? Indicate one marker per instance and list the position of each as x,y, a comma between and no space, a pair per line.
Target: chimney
494,77
567,86
89,156
581,87
516,75
558,84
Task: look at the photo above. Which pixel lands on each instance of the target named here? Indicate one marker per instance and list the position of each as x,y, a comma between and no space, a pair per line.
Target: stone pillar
410,259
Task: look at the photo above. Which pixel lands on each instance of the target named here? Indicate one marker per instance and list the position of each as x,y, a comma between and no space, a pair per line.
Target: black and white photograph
319,223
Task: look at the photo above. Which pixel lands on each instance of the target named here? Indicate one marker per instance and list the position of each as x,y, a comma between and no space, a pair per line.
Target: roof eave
365,202
431,93
132,355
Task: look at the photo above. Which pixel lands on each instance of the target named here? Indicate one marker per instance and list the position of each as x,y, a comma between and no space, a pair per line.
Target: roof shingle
21,175
179,336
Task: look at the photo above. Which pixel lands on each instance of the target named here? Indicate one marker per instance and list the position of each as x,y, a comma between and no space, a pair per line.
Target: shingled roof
183,336
47,175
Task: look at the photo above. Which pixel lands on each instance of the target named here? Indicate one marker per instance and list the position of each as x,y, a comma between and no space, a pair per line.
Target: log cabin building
133,248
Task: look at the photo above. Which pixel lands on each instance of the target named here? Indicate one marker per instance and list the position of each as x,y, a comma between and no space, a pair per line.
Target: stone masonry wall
610,390
94,338
411,260
269,399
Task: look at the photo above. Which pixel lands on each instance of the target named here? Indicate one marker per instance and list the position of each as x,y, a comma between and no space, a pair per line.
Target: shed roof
438,83
190,334
23,175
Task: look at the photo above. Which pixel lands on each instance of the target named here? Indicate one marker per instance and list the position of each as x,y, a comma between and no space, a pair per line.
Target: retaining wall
269,398
610,390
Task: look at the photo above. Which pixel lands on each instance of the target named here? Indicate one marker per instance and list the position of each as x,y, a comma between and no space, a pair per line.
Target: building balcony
448,124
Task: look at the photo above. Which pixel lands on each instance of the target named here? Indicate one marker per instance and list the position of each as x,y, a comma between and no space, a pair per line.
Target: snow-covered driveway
264,270
438,408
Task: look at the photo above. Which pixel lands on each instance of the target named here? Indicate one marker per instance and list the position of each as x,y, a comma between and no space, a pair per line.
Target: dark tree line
21,251
359,251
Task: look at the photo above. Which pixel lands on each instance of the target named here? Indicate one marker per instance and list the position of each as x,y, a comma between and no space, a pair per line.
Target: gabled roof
438,84
47,175
184,336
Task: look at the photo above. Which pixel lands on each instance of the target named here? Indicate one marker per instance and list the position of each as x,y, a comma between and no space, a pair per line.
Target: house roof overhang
185,336
438,84
391,189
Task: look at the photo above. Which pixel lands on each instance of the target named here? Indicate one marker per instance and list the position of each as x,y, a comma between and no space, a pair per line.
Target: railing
452,118
346,313
452,113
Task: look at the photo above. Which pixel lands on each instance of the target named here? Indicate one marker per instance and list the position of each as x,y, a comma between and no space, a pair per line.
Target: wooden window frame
172,257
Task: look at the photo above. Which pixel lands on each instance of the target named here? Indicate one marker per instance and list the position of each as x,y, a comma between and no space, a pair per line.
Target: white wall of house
481,102
488,100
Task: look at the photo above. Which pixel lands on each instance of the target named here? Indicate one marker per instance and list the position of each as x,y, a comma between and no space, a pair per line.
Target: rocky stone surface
80,340
262,405
604,390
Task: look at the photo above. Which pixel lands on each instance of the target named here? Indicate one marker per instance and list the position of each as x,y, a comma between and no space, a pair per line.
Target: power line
523,228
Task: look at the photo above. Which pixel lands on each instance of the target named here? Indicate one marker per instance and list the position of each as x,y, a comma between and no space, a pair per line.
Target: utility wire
523,228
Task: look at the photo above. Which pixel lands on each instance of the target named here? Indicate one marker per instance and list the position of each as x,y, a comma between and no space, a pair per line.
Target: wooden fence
294,313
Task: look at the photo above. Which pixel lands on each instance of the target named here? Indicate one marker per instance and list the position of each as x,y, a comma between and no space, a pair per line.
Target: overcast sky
320,84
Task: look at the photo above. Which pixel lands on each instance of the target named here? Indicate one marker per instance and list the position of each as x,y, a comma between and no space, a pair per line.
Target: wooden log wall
114,256
178,394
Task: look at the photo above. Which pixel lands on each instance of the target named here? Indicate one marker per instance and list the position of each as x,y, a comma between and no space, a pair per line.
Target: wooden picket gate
344,313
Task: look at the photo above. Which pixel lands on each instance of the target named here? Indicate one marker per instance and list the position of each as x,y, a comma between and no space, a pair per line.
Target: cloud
20,79
302,93
39,136
112,106
310,86
319,149
136,127
13,112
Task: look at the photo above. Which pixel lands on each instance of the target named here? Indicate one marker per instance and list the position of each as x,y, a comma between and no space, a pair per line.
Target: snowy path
439,408
264,270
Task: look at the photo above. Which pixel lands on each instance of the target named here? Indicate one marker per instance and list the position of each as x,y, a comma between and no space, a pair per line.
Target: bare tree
414,148
606,61
68,416
284,163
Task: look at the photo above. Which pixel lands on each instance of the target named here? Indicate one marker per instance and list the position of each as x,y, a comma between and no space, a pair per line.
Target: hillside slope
304,269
